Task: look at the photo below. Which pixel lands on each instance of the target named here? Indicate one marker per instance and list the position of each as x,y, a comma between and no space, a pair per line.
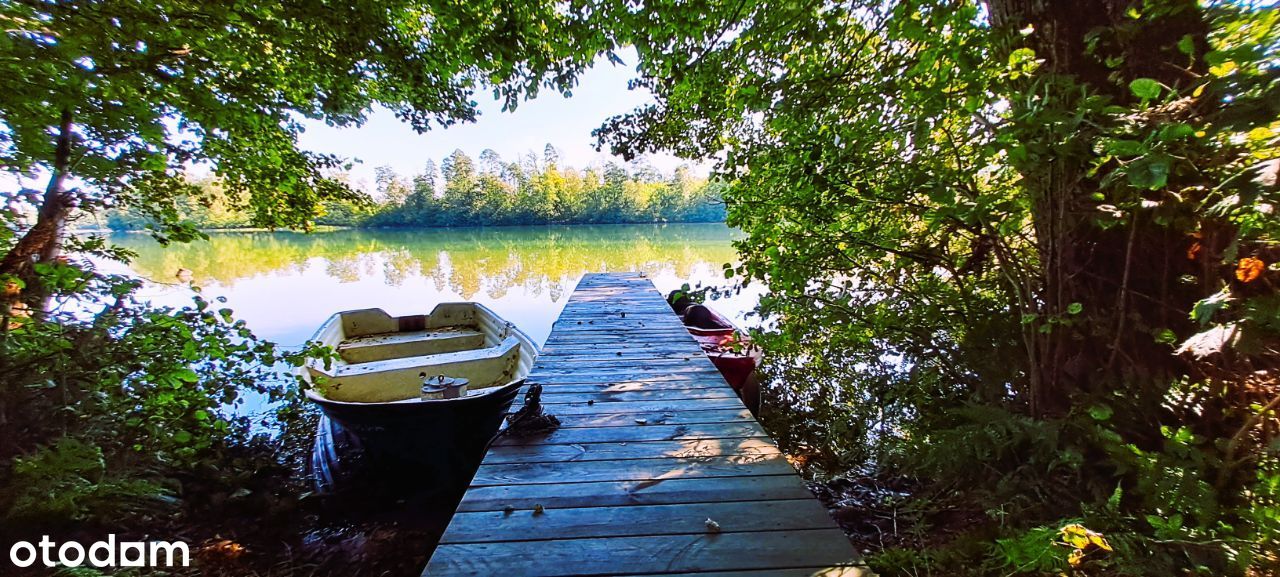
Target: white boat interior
381,358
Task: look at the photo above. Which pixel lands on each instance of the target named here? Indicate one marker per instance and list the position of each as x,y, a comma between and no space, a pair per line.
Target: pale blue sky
566,123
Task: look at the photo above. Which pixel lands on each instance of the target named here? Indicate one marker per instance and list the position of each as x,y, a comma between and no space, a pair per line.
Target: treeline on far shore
460,191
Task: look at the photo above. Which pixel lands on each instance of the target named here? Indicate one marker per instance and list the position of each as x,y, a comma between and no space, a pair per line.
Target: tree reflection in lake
285,284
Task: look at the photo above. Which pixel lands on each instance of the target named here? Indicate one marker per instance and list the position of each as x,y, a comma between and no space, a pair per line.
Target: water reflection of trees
467,261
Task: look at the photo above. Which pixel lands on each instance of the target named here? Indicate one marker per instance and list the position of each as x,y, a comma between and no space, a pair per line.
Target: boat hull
408,447
727,346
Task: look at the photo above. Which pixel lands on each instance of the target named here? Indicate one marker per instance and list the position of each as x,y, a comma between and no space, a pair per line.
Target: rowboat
729,347
410,403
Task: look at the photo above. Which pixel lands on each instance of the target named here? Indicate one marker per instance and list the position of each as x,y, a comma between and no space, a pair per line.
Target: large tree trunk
1125,277
42,241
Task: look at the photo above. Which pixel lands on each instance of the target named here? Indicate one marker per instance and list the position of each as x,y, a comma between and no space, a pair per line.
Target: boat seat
385,346
399,378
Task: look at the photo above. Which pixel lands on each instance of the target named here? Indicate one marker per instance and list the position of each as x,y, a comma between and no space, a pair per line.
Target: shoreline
335,228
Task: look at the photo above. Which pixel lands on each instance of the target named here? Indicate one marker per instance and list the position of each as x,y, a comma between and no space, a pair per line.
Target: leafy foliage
988,232
118,395
149,88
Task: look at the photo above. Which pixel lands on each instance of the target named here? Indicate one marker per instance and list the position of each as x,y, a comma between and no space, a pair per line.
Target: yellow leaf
1075,557
1100,541
1259,134
1076,535
1222,69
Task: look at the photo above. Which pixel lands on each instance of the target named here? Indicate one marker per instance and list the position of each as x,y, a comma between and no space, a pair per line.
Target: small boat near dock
729,347
410,403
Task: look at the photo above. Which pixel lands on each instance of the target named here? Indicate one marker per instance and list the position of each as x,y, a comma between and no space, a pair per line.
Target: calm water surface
285,284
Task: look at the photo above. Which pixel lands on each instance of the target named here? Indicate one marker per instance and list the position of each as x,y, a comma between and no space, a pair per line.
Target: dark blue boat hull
406,448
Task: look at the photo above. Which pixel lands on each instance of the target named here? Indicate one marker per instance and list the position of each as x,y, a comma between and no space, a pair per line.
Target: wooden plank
620,356
655,418
684,519
615,302
675,332
586,320
657,312
612,340
571,435
597,350
616,379
608,358
589,374
629,407
605,343
640,318
619,450
654,470
593,333
553,395
555,388
648,315
652,329
581,347
619,370
686,362
660,339
619,493
670,553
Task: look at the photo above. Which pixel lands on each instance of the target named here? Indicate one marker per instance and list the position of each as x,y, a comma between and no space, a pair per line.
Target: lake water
284,285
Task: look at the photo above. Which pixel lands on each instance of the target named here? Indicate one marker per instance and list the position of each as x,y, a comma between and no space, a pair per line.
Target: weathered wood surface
653,444
697,431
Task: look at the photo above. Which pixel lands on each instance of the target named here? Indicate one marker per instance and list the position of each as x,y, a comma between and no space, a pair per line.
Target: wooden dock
653,444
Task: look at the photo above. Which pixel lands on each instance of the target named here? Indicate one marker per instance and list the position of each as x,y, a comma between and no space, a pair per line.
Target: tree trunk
1124,277
42,241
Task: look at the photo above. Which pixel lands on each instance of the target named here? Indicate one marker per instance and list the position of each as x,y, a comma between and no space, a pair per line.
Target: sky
566,123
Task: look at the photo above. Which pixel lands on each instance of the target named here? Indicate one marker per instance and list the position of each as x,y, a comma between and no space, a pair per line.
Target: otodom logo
100,554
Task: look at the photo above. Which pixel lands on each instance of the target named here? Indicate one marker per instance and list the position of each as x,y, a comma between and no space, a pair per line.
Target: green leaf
1100,412
1075,308
1186,45
1145,88
1124,147
1204,310
1150,172
1175,131
1113,502
1021,56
